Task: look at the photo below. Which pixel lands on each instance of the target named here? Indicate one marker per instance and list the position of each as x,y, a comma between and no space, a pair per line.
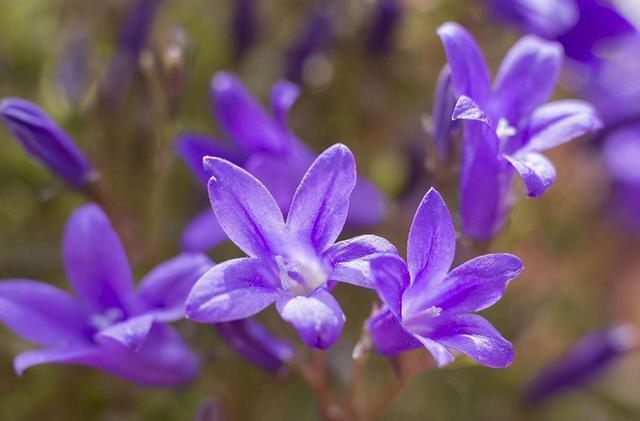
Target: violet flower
108,324
507,126
46,141
444,102
386,17
253,342
293,264
585,360
428,306
264,146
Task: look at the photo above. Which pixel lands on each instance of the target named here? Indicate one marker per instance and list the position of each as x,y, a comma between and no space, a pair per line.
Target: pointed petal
350,258
82,355
527,78
467,109
42,313
388,335
537,172
468,68
368,205
432,241
440,353
242,118
283,95
245,209
96,261
233,290
472,286
165,289
559,122
390,277
320,205
444,102
474,336
318,318
131,333
193,147
203,233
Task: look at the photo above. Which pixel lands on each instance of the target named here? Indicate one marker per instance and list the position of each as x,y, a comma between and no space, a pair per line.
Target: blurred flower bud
585,360
244,21
44,140
386,17
73,69
255,344
444,103
174,62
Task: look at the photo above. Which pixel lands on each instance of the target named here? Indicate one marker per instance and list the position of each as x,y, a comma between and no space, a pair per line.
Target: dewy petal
283,95
444,102
165,289
467,109
367,205
318,318
319,207
537,172
432,241
388,335
559,122
193,147
203,233
440,353
254,343
474,336
468,68
350,258
390,278
233,290
526,79
242,118
96,261
245,209
131,333
472,286
42,313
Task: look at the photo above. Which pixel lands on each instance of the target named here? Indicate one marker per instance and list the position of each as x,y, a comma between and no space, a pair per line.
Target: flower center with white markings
421,317
504,130
101,321
300,276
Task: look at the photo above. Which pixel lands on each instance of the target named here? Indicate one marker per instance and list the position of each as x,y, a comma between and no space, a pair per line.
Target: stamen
504,130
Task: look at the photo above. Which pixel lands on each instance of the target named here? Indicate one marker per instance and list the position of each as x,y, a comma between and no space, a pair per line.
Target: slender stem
314,374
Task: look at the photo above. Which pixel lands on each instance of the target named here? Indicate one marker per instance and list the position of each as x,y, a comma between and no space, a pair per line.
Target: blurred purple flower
107,325
507,126
386,17
444,102
426,305
73,69
584,361
47,142
254,343
314,38
244,21
293,264
545,18
264,146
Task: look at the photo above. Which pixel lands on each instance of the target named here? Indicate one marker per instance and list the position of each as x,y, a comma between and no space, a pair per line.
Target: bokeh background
582,264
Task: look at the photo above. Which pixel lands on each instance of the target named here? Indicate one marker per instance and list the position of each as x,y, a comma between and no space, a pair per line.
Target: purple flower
426,305
293,264
244,25
547,18
47,142
444,102
386,18
264,146
585,360
507,125
107,324
254,343
73,71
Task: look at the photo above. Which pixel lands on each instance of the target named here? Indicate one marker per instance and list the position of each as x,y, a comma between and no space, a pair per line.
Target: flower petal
527,77
82,355
440,353
466,109
254,343
318,318
96,261
131,333
468,68
165,289
202,233
367,204
320,205
193,147
537,172
432,241
233,290
42,313
472,286
283,95
242,118
444,102
388,335
245,209
391,278
350,258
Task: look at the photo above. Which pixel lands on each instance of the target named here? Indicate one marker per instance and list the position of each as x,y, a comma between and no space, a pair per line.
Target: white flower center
300,276
504,130
419,320
101,321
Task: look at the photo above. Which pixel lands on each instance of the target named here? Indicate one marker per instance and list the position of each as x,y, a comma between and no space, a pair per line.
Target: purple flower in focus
584,361
108,324
46,141
254,343
507,125
293,264
386,17
264,146
428,306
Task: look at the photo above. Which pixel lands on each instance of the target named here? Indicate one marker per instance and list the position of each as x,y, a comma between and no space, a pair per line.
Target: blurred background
125,77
